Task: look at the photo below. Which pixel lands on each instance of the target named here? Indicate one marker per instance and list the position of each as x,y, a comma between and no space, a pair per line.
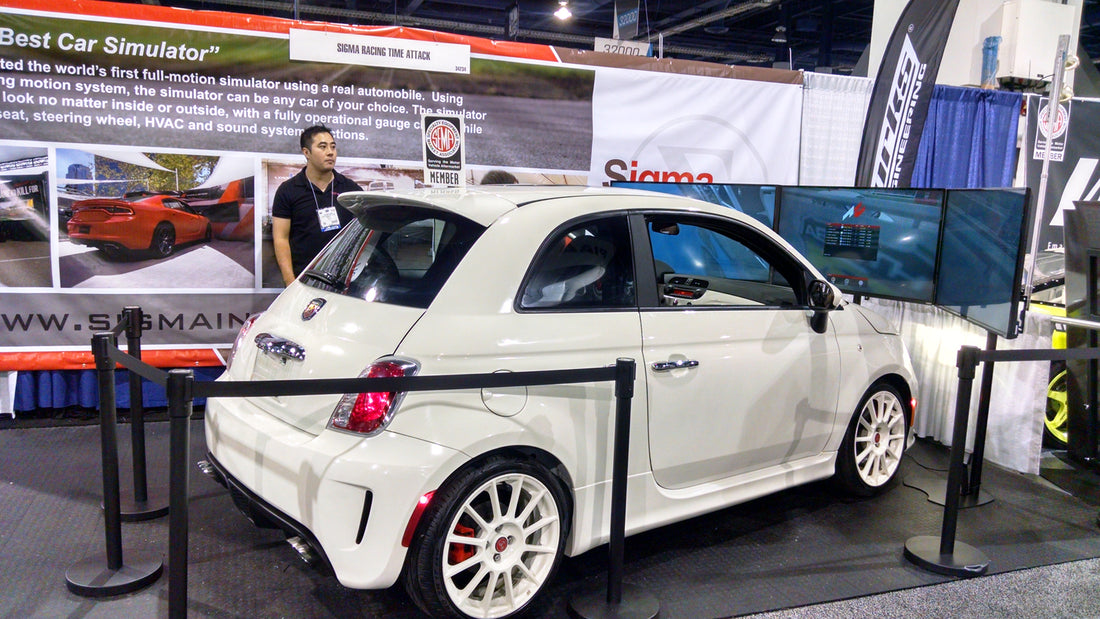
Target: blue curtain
969,139
65,388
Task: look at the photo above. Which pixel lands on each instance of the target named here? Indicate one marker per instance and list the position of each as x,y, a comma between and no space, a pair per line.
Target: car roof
484,204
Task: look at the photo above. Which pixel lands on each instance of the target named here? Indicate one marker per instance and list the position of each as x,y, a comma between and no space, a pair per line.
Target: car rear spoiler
359,201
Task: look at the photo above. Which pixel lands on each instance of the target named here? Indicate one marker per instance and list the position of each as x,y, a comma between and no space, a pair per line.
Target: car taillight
248,322
370,412
119,210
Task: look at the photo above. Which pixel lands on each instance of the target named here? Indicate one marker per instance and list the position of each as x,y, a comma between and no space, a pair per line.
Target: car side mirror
822,300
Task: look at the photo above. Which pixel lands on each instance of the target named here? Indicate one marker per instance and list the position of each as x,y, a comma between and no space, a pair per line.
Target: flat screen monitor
756,201
982,257
867,241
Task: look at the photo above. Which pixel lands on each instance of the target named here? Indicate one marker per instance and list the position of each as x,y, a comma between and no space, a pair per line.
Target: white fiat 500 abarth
753,376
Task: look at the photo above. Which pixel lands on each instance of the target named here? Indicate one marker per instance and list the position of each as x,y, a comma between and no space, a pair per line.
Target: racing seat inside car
566,277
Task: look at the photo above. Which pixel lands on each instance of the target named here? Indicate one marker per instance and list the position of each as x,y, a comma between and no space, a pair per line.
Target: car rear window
394,254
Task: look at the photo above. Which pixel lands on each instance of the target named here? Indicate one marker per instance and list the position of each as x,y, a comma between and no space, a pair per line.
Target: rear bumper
263,514
97,243
349,497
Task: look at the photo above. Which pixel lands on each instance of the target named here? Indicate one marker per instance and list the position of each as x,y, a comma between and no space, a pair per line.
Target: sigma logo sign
893,139
686,150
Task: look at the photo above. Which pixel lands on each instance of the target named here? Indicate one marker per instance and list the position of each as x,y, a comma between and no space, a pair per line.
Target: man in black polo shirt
305,214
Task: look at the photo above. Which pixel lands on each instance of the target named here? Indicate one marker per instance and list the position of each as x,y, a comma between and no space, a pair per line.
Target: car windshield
394,254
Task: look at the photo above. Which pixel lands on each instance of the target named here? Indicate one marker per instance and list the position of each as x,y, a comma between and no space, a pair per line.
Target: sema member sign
444,156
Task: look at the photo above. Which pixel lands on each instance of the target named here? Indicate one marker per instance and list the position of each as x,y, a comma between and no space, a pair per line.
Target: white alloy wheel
873,446
880,438
502,546
494,539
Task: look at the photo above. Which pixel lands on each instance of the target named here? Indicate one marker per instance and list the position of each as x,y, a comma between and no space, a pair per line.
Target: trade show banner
683,128
75,80
122,110
902,92
1074,173
183,123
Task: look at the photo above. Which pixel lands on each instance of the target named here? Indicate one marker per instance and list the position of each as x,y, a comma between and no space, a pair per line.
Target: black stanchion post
108,441
943,555
624,391
974,485
141,506
89,577
180,400
621,601
137,405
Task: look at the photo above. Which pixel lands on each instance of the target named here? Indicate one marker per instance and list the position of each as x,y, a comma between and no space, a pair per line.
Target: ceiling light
563,13
780,35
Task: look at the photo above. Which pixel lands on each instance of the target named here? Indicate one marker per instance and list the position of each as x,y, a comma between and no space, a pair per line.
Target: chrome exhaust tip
304,550
206,468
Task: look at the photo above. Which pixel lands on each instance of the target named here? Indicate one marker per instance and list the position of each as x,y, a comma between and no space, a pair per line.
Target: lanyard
331,194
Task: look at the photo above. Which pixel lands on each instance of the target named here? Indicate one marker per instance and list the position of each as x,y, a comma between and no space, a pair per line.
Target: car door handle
665,366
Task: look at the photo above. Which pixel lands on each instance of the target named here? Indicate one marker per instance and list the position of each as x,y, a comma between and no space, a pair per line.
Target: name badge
328,218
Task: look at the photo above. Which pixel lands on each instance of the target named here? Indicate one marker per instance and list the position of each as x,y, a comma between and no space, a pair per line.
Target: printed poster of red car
154,220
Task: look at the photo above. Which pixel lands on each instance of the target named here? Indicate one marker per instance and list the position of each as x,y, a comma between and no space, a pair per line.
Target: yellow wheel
1057,417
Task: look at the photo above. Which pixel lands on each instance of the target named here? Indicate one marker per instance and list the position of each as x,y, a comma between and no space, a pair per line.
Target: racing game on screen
874,242
981,261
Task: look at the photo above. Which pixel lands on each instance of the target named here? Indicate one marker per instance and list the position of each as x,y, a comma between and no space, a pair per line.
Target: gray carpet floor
806,552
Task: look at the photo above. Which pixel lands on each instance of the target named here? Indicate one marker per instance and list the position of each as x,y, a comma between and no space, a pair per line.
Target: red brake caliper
458,553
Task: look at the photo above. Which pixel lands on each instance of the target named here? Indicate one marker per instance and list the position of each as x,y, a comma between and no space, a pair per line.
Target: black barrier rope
404,383
139,367
89,577
181,389
943,554
182,386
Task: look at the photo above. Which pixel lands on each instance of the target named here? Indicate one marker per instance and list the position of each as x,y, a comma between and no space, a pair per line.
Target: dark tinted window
588,266
394,254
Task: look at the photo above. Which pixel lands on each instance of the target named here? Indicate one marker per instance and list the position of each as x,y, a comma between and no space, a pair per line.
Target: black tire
164,240
209,234
870,454
499,547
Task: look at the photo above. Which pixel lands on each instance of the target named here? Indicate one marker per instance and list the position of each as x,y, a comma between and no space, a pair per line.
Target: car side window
587,266
176,205
701,264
